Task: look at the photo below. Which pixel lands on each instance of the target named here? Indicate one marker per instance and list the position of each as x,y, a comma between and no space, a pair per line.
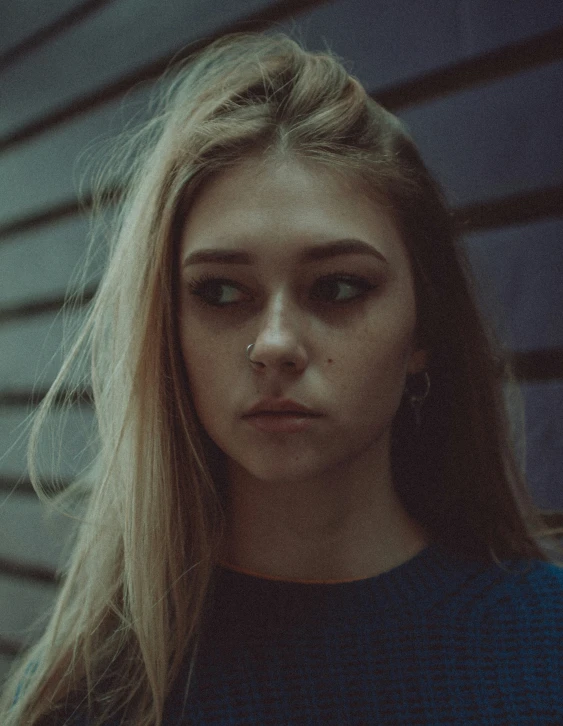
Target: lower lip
281,423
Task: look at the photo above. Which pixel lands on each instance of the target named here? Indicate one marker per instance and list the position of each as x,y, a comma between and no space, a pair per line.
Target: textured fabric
434,641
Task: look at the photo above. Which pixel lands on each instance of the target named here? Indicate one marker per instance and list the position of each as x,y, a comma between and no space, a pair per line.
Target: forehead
278,208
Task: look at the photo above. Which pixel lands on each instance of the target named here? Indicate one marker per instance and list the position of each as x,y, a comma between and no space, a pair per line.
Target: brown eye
216,291
340,288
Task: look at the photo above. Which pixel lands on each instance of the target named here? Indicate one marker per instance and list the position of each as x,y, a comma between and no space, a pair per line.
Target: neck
331,528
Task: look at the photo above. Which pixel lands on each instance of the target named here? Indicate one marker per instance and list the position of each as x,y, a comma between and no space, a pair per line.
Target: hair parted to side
135,588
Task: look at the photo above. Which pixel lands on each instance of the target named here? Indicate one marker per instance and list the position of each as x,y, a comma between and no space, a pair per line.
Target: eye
217,291
336,289
340,288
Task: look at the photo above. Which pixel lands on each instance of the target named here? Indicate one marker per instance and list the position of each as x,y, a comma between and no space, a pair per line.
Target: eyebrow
310,254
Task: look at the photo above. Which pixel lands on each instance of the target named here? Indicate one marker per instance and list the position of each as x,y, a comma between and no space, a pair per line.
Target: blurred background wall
479,83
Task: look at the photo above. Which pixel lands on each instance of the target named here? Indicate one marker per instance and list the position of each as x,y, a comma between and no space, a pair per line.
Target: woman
305,508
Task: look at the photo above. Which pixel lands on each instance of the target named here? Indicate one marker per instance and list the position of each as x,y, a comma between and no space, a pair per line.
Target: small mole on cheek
329,360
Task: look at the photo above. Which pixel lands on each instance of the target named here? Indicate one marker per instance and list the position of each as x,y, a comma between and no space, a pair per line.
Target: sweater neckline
254,604
274,578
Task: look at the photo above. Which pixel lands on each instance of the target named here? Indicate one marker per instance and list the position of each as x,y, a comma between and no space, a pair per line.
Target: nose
278,344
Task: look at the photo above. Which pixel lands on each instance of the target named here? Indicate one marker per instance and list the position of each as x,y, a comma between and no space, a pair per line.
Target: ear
418,361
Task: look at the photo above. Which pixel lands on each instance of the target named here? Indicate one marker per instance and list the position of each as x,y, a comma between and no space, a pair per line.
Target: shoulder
519,597
506,619
536,584
526,592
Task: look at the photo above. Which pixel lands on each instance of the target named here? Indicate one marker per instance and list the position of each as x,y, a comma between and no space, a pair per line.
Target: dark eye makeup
334,289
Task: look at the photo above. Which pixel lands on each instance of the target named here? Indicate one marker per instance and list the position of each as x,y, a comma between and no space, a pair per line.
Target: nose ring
257,363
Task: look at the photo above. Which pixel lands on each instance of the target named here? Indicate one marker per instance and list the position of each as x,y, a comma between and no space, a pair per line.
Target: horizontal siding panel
409,38
64,461
116,41
544,452
29,535
22,19
26,606
486,143
519,273
47,170
401,40
489,24
31,350
41,263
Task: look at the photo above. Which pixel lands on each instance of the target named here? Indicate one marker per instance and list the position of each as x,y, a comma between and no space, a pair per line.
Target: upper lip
277,405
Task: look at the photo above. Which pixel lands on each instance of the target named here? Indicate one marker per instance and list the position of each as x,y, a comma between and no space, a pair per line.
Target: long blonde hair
151,507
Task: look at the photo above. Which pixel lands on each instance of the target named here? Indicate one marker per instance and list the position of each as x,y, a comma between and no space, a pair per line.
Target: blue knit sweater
436,641
433,641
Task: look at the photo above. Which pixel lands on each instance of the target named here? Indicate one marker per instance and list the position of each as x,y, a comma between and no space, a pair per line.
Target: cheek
371,365
204,372
374,348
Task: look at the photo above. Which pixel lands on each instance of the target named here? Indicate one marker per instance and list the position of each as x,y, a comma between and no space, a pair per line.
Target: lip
280,422
283,406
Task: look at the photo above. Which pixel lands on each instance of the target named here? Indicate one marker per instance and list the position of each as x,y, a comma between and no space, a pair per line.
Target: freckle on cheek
329,360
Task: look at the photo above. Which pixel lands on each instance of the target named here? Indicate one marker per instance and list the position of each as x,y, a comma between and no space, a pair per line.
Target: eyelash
200,286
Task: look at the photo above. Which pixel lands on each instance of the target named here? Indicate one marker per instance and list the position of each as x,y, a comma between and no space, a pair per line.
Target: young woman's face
316,276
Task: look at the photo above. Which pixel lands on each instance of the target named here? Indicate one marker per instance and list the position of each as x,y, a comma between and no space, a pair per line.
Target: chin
283,472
